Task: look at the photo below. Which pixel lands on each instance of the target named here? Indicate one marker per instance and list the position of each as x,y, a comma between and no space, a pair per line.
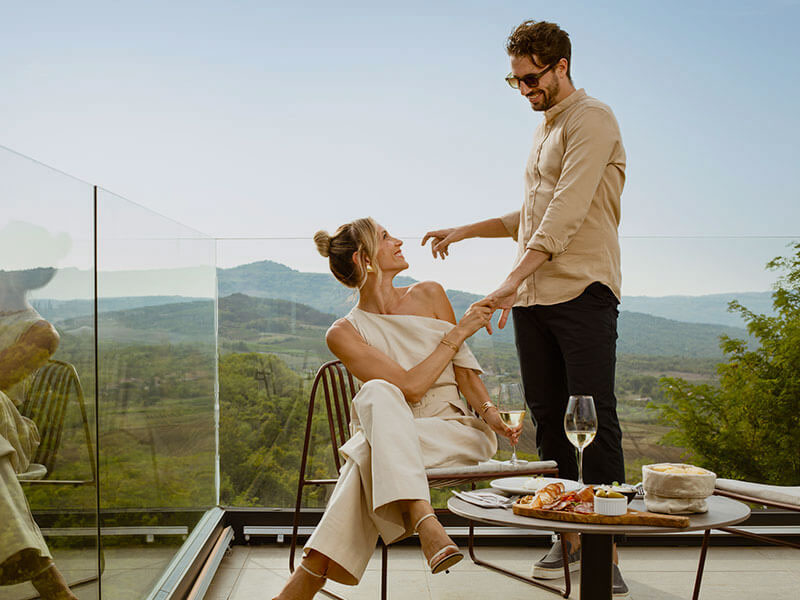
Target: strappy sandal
445,557
312,573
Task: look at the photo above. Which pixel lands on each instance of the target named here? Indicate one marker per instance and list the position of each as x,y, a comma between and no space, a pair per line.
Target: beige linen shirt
571,211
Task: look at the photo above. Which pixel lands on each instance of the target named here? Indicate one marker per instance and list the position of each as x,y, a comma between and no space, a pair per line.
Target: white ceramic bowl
612,507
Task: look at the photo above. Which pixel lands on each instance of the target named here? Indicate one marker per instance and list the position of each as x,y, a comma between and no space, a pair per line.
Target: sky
251,120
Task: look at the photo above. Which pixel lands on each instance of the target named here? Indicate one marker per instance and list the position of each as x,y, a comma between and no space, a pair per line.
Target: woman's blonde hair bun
359,239
323,241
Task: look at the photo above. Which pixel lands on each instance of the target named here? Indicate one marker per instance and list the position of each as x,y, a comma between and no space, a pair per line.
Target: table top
721,512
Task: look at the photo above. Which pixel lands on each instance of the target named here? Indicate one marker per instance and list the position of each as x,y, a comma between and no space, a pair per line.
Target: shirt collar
552,112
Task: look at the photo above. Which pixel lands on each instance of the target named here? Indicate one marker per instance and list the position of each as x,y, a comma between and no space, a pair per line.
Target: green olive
614,495
601,493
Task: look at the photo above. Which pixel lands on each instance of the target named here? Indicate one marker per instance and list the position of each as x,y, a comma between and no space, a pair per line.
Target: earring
370,269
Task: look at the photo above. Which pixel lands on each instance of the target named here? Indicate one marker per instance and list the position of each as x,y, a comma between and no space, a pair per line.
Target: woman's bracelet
486,406
449,344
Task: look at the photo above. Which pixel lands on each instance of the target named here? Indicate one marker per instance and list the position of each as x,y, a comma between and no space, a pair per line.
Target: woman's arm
470,383
471,386
366,362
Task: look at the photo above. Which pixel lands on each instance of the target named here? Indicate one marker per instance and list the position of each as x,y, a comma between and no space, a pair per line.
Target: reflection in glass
48,528
27,341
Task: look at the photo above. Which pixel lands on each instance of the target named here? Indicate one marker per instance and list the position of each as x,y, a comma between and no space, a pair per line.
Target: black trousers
565,349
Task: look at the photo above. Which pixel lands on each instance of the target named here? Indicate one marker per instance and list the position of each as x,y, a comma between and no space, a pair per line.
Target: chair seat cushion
771,493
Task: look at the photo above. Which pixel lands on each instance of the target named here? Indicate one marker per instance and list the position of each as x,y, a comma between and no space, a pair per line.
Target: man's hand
503,298
441,240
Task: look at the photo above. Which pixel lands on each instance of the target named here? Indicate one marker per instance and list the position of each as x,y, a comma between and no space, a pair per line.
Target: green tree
748,426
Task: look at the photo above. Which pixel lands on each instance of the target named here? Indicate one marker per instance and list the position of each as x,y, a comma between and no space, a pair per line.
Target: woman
26,343
405,345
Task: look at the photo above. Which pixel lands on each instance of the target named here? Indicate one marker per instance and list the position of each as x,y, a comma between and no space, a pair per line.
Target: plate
516,485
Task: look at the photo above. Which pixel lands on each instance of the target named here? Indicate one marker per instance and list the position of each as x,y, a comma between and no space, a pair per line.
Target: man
565,286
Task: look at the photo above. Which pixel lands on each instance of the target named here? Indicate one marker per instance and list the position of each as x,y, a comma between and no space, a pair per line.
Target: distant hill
711,308
163,323
323,292
240,318
56,310
654,336
268,279
245,318
273,280
664,336
267,297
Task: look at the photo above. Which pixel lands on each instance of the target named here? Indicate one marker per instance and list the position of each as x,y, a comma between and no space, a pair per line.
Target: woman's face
390,256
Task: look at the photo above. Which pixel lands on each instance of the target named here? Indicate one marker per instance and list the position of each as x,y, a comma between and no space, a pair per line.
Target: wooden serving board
634,517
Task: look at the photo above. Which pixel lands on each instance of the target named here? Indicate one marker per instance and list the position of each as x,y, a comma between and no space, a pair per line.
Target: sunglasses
530,80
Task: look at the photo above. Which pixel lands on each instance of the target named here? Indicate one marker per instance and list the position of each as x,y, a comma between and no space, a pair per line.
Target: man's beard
549,94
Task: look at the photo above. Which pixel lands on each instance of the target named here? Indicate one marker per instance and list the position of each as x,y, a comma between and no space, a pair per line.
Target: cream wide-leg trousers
385,462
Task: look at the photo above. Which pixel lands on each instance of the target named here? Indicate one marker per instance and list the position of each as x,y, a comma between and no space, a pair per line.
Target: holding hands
479,314
503,298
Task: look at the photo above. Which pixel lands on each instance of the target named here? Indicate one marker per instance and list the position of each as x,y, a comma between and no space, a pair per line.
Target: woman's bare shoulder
433,296
339,328
427,289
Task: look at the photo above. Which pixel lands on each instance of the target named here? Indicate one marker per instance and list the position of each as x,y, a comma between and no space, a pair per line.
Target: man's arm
589,147
490,228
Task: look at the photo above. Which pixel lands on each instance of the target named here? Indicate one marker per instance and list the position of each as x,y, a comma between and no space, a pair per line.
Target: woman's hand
492,418
478,315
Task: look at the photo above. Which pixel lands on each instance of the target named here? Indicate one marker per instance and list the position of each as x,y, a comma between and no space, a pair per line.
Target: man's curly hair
546,40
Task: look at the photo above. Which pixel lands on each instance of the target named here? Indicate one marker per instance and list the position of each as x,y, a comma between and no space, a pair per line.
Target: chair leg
384,570
565,562
701,565
529,580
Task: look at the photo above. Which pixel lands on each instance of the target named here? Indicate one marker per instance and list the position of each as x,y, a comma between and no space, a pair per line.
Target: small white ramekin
612,507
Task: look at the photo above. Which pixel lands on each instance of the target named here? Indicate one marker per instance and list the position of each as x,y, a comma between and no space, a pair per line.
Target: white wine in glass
580,425
511,404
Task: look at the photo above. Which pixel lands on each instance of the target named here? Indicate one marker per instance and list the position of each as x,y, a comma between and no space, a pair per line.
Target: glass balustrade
165,372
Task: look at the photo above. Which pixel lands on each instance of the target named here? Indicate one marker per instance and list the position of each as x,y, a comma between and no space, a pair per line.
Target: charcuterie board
633,517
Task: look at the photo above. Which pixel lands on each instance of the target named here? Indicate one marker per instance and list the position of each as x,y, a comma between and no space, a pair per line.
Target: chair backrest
45,404
338,388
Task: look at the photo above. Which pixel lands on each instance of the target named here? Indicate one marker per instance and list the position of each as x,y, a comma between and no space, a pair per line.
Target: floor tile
223,584
257,583
657,573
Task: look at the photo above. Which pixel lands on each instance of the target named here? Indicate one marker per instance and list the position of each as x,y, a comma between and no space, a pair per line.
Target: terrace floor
652,573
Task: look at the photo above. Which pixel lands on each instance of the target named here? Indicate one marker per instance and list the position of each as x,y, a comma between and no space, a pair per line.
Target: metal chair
46,402
752,496
339,388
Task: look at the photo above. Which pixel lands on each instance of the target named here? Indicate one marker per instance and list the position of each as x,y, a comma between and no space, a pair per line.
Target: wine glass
580,425
511,404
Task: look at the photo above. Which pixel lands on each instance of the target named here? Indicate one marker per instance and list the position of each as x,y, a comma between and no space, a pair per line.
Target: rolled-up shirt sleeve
591,138
511,223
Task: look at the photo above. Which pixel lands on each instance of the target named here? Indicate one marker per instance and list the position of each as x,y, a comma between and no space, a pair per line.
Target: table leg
596,561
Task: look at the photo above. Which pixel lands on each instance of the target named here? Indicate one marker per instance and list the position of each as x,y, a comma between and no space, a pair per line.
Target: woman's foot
308,578
440,551
51,585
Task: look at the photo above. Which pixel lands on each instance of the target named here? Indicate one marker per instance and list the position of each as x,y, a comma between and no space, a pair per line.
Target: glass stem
514,454
580,466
